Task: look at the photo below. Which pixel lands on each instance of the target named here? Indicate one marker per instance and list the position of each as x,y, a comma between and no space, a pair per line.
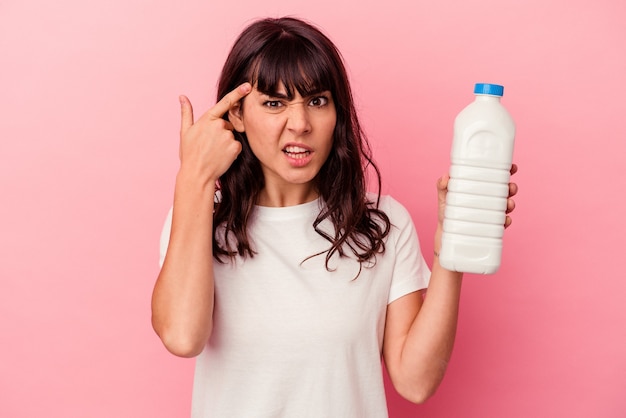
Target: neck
290,197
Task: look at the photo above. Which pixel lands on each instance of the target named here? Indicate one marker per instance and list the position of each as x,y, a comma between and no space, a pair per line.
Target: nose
298,118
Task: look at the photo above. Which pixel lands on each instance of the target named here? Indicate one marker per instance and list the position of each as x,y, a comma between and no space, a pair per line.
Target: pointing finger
186,114
229,101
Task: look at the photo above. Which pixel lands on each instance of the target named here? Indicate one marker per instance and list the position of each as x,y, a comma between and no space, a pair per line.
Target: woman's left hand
442,190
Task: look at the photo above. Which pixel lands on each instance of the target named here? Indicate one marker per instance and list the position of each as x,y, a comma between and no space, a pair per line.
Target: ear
236,118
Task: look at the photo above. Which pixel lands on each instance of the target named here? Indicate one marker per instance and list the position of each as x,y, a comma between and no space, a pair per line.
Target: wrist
442,270
190,180
437,241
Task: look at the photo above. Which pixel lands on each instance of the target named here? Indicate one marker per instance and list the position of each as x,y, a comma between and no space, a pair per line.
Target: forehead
289,73
282,92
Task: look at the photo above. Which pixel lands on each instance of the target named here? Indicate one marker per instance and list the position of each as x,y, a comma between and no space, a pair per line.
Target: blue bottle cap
491,89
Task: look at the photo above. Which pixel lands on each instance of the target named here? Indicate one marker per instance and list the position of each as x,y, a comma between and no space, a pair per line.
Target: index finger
230,100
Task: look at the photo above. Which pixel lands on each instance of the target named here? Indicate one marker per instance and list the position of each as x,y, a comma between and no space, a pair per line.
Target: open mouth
296,152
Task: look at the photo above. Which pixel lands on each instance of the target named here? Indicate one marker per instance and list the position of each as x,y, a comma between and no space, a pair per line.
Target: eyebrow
277,95
284,96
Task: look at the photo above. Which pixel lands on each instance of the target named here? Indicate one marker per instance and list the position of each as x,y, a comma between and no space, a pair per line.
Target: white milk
481,157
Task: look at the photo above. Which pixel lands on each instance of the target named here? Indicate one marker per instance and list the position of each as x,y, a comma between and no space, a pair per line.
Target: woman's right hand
182,301
208,146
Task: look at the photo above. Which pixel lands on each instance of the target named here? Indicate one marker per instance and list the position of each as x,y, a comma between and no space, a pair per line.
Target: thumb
442,191
186,114
442,183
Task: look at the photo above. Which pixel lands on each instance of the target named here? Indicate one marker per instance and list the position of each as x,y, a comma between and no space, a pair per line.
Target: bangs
298,67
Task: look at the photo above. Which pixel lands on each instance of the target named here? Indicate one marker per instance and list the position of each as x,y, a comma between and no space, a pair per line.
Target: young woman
280,272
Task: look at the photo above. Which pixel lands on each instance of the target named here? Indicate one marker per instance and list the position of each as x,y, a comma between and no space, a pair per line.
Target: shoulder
396,211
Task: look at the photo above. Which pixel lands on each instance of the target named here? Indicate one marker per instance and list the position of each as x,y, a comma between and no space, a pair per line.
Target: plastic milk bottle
481,158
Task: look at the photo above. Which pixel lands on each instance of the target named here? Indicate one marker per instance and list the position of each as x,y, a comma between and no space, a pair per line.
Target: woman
281,273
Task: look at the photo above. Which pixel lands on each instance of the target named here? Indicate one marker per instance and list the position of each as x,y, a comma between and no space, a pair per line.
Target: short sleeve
410,271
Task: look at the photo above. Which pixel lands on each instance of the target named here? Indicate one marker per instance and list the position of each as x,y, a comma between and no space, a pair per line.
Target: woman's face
291,138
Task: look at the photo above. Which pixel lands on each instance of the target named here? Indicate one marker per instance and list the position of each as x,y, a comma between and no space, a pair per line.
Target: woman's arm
182,300
420,331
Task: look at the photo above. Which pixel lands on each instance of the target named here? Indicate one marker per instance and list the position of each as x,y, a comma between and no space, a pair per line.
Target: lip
298,155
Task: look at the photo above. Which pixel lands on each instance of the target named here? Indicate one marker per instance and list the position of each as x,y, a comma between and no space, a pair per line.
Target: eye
272,104
319,101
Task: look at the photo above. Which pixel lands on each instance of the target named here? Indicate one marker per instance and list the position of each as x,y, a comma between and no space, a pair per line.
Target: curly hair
291,52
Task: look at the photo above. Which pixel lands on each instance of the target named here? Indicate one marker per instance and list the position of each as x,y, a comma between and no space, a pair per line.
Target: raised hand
208,146
442,190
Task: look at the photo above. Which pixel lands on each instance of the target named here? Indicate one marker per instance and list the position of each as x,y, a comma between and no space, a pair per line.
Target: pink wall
88,154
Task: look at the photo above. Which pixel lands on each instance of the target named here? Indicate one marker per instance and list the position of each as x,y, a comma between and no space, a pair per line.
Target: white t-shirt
292,339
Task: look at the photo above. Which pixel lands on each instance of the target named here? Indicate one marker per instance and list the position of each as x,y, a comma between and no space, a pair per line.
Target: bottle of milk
481,158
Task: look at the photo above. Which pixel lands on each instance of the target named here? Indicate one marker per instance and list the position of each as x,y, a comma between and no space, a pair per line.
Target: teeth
295,150
297,156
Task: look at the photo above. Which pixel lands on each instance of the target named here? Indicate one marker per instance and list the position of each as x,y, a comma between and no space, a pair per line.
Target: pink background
88,155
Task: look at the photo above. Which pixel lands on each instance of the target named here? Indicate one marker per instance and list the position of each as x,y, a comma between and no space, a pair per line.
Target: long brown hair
298,55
